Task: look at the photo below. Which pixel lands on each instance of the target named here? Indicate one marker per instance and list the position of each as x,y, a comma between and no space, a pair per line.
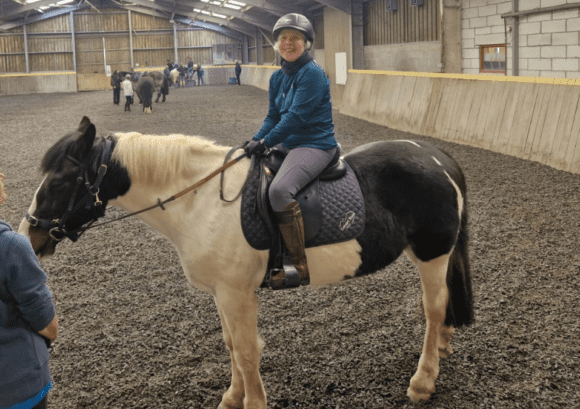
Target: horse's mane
157,159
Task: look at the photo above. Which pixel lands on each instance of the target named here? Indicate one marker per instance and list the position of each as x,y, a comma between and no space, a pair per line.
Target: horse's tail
460,304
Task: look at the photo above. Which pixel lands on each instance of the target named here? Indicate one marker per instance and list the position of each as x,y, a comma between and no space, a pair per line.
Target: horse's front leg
239,316
437,337
234,396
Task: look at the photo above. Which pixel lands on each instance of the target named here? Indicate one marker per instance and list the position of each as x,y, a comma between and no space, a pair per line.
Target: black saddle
332,208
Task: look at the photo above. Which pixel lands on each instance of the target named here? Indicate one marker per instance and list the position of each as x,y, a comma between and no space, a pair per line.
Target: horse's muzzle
43,242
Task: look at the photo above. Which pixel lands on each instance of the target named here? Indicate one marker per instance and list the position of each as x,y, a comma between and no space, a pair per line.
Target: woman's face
291,44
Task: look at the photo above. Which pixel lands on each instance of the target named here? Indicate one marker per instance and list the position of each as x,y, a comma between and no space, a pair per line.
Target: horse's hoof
418,395
421,387
225,406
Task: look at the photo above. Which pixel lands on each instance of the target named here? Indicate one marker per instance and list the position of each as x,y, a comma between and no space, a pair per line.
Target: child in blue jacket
28,322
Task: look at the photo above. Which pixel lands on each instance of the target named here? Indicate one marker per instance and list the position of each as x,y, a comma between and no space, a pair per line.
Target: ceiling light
230,6
237,3
216,3
219,15
206,12
197,10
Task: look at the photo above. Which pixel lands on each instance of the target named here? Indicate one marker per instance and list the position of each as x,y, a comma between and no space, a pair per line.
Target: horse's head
79,180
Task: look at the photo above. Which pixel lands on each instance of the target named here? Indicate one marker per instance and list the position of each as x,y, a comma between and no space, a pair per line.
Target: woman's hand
255,148
51,331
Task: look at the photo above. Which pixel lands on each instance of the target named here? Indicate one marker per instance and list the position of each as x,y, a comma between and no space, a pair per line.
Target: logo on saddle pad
347,221
333,210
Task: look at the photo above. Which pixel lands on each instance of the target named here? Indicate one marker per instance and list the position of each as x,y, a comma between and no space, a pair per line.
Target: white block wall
549,43
418,57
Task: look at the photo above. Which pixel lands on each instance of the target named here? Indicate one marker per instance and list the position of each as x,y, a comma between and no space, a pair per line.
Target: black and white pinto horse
415,203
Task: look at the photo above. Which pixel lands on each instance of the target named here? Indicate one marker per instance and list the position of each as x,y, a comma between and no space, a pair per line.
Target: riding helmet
297,22
128,76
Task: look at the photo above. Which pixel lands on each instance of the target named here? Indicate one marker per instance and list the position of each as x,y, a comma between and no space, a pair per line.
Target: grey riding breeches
299,168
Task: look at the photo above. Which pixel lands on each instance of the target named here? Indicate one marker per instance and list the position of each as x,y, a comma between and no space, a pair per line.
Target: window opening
492,58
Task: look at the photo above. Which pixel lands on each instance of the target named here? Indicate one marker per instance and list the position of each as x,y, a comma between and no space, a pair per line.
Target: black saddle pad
333,211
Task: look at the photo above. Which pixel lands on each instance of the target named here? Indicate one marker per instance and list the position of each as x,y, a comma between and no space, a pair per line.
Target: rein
57,225
229,154
179,194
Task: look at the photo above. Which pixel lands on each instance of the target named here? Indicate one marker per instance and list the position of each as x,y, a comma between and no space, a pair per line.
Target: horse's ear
85,122
86,138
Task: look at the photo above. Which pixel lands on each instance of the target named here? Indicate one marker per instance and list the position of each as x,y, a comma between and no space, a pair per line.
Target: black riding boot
292,228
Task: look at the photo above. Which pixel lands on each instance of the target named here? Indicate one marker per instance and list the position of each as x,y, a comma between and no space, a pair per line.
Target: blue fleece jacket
300,112
26,307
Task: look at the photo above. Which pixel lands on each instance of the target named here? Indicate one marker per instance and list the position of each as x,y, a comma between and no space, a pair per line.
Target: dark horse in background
161,83
415,203
145,90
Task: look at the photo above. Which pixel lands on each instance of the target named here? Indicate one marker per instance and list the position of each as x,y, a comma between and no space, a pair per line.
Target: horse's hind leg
239,317
445,341
437,336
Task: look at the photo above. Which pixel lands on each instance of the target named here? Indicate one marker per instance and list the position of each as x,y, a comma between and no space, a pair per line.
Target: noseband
56,228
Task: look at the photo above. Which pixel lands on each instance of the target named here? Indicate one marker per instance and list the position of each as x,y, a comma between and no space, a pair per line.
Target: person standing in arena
189,68
116,84
299,121
28,322
238,71
128,91
182,74
200,72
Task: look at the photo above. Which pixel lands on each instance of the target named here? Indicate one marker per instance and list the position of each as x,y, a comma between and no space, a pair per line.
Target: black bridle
56,228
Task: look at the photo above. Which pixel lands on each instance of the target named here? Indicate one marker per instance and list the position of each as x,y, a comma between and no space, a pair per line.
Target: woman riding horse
299,121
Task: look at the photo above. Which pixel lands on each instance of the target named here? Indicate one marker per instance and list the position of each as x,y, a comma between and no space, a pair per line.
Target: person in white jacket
128,90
